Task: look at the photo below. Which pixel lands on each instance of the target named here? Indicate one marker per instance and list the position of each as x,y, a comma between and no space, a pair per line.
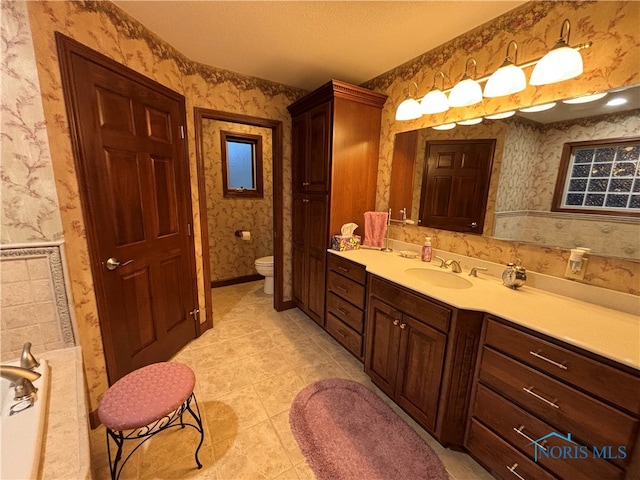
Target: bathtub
23,432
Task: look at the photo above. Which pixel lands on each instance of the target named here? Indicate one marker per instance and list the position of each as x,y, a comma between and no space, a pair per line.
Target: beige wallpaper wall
231,257
611,62
103,27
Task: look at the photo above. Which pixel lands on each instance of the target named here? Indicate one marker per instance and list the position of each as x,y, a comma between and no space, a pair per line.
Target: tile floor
249,367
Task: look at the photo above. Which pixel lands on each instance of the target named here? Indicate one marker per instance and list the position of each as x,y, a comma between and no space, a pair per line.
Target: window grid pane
604,177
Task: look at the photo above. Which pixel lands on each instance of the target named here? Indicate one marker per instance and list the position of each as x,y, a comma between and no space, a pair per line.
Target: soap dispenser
427,252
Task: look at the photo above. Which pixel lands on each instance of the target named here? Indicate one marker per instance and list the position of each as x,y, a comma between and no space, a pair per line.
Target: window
600,176
241,164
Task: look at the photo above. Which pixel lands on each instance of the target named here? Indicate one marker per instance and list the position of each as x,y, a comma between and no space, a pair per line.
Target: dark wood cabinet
540,399
335,148
421,353
346,286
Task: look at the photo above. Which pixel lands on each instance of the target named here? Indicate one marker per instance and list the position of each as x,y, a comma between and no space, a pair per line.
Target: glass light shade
539,108
614,102
446,126
466,92
472,121
434,102
585,98
508,79
500,116
409,109
561,63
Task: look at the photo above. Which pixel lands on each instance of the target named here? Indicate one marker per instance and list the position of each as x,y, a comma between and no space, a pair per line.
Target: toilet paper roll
246,235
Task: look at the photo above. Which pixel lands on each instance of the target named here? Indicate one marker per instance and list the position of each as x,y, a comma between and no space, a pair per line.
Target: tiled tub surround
35,299
614,334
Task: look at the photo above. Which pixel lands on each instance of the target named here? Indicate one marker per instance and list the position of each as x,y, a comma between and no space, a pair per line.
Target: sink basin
439,278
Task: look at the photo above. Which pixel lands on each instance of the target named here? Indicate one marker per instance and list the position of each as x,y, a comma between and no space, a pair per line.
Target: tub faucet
21,378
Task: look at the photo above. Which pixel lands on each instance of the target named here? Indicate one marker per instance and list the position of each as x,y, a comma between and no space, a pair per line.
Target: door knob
473,225
112,263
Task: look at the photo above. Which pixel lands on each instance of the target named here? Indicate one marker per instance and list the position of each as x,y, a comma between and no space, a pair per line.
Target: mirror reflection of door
455,184
133,174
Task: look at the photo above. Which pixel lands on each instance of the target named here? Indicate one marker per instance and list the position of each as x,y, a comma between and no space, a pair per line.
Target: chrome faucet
474,271
455,265
443,262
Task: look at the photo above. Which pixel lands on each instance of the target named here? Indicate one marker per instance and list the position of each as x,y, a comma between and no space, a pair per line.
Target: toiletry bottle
426,250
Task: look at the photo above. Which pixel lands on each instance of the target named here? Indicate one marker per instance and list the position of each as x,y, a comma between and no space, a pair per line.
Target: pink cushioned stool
145,402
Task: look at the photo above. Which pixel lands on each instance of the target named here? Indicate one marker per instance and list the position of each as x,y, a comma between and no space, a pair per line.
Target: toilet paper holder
243,234
238,233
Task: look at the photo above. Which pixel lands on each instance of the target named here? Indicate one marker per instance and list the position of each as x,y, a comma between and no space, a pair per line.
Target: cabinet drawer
346,288
604,381
520,429
418,307
589,421
348,269
352,316
500,458
343,334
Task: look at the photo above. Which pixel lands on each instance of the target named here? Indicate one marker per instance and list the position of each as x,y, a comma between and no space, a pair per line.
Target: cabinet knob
403,326
396,322
306,184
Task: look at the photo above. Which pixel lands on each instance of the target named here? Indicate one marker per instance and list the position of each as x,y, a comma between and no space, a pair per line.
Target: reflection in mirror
527,159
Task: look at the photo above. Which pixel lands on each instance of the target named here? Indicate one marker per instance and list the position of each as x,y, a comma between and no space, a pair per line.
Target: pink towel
375,227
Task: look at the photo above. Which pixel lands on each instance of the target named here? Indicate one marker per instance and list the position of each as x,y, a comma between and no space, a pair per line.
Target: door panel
382,345
317,165
420,370
134,177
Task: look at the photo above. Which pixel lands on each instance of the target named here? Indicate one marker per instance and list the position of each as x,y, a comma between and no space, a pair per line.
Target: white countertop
611,333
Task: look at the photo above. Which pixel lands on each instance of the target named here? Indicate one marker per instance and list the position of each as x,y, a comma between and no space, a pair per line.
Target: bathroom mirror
526,163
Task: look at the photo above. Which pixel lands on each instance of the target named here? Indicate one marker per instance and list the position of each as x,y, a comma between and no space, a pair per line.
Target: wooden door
456,184
420,365
403,168
134,177
383,341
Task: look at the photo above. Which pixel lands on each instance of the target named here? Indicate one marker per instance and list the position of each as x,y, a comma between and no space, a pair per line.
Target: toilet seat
265,261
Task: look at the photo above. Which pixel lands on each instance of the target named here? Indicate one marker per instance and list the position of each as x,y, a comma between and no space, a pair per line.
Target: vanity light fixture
472,121
585,98
561,62
436,100
467,91
508,79
500,116
410,108
446,126
539,108
614,102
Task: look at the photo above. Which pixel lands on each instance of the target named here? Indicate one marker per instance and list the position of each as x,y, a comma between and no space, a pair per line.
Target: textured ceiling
306,43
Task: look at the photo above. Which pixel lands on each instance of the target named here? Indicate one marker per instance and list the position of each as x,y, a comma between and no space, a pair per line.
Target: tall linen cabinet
335,150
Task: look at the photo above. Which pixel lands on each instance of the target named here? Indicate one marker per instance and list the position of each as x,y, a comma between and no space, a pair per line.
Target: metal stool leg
118,439
197,418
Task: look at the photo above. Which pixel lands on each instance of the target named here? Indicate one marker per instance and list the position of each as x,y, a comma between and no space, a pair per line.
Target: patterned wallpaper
612,61
30,211
231,257
103,27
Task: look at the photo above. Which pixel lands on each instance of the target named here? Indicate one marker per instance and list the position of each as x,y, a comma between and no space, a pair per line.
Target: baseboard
237,280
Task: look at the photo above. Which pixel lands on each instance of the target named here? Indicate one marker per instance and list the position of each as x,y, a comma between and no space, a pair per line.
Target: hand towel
375,228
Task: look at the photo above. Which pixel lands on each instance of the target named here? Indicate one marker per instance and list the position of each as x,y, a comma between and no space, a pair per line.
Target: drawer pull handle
342,269
520,432
342,311
342,334
340,287
396,322
540,397
542,357
512,469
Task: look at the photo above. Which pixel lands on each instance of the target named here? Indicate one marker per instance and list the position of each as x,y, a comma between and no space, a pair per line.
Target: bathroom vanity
510,376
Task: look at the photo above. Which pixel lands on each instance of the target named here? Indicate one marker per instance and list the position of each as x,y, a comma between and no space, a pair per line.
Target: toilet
264,266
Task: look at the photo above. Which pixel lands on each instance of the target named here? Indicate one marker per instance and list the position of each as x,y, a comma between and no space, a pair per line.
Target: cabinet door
319,153
383,341
420,364
299,143
300,287
316,285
